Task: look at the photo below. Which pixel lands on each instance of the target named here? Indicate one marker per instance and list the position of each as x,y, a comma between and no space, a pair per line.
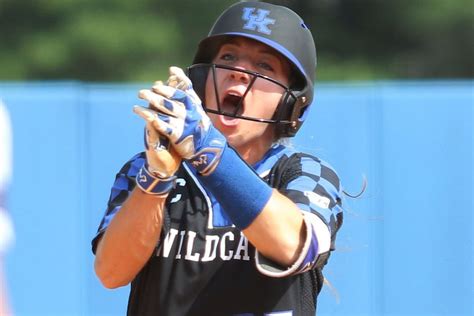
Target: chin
233,140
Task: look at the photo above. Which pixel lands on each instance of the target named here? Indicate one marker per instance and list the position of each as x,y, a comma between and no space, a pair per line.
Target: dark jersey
204,265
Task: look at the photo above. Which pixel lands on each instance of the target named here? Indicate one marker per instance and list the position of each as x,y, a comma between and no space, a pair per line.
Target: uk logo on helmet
258,21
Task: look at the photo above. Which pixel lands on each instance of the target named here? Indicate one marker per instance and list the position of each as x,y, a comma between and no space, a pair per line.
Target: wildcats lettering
186,245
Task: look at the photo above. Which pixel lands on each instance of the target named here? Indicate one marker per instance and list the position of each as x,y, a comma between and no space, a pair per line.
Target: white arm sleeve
318,238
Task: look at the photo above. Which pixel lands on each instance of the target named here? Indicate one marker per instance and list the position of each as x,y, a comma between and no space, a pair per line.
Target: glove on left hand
178,115
162,159
157,176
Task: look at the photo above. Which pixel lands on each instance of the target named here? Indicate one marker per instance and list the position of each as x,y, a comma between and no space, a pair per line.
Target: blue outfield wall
406,245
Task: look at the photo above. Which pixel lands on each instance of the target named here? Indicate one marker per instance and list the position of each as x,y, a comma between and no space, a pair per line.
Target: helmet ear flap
283,114
290,114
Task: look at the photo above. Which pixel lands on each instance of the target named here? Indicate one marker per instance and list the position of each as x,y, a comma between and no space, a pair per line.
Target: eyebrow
263,49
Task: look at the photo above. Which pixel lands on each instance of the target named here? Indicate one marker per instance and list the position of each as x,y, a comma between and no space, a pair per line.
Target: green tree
123,40
374,39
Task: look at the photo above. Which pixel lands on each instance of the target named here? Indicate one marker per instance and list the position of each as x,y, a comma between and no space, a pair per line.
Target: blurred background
121,40
394,104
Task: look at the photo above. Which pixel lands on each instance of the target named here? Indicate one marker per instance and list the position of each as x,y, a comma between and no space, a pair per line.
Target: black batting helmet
281,29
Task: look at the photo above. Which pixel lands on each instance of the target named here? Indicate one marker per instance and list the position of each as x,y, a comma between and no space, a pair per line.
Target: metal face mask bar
198,74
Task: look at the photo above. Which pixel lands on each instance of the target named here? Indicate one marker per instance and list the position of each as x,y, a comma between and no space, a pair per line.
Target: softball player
216,217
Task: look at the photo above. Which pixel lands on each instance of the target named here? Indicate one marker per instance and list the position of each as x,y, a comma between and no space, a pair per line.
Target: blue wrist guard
151,184
240,191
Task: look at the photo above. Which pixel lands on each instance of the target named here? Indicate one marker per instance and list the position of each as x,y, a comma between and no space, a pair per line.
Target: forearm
130,239
133,233
278,232
269,220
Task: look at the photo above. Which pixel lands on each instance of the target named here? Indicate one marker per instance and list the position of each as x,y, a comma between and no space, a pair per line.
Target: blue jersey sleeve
317,189
123,185
314,187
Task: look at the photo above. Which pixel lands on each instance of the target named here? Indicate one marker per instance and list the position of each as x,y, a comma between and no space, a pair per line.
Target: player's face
251,139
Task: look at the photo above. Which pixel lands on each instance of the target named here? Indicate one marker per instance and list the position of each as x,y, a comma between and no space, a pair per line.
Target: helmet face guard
200,74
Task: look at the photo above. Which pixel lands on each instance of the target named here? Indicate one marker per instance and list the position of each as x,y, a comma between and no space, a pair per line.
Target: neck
254,152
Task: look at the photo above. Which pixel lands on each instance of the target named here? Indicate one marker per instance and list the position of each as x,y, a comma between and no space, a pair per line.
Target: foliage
123,40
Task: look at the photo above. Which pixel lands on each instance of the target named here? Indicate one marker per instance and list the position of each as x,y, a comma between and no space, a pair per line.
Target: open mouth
232,105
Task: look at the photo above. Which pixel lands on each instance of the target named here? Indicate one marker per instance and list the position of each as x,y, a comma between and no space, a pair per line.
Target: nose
239,75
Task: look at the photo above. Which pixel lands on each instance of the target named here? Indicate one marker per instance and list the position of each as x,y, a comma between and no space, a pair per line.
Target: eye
265,66
227,57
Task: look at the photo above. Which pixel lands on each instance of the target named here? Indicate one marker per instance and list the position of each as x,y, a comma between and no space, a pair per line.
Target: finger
174,82
179,72
154,139
179,96
188,99
152,136
150,115
158,83
164,162
161,104
159,121
147,114
168,99
158,102
169,92
178,79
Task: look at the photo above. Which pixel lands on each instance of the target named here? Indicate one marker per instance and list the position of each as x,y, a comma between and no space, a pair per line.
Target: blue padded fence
406,245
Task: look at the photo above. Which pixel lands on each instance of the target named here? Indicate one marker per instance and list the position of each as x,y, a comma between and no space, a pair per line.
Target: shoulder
125,178
318,168
133,165
292,164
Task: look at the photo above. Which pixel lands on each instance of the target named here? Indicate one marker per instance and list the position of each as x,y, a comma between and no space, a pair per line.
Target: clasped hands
178,128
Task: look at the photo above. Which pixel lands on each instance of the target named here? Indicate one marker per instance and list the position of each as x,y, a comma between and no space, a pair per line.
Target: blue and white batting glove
176,112
157,175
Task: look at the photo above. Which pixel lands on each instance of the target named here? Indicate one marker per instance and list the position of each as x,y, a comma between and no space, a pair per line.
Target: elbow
111,283
294,245
291,252
108,277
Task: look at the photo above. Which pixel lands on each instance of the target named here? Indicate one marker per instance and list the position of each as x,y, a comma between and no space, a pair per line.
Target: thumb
154,139
178,79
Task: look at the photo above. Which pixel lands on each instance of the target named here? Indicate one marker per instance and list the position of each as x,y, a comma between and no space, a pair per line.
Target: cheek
210,90
210,100
265,103
215,120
